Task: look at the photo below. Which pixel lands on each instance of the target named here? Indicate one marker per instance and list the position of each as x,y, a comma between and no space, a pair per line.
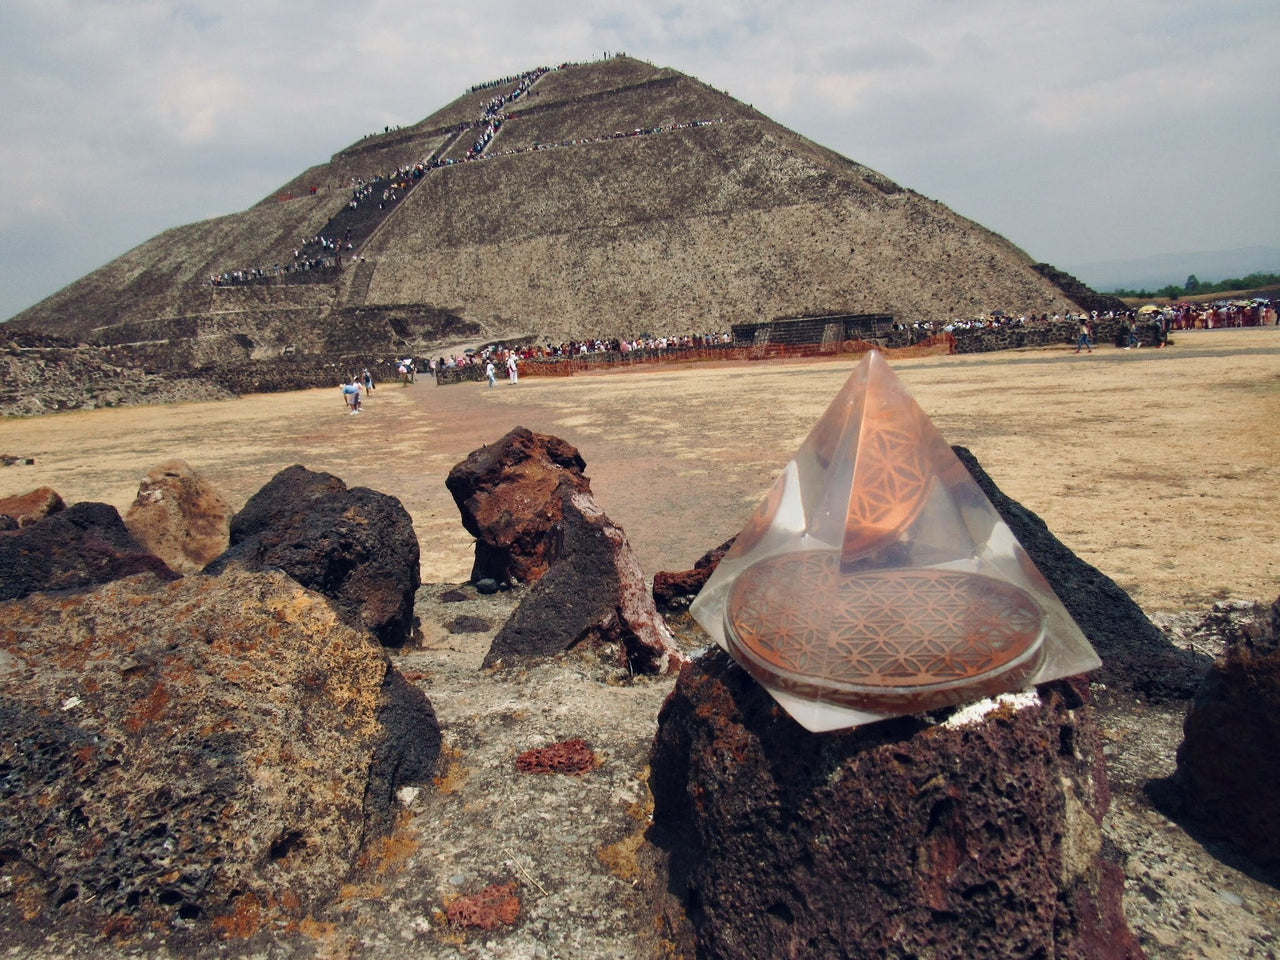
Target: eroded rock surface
210,754
510,496
83,545
355,546
180,517
977,838
594,593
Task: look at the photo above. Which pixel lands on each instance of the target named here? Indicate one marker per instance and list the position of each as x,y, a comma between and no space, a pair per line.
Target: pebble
1232,898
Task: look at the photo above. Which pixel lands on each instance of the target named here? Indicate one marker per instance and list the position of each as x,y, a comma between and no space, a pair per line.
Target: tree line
1194,287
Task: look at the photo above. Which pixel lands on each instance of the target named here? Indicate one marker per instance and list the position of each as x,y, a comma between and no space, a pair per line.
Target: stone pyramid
612,198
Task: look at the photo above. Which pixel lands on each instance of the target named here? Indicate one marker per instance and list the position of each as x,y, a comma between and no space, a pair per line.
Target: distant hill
1152,273
613,198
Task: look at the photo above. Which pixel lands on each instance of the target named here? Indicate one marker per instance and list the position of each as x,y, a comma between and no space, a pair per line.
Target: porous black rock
355,546
85,544
1135,655
1227,782
212,754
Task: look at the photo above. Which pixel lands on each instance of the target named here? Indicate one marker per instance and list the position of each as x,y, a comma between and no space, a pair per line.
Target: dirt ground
1154,465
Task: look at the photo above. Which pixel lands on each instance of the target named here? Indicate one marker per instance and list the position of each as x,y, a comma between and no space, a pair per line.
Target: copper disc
897,640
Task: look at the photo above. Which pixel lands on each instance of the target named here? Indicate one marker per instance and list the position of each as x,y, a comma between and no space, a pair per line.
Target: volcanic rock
355,546
495,906
672,590
85,544
1229,760
593,594
1136,656
180,517
207,754
29,507
567,756
975,837
509,494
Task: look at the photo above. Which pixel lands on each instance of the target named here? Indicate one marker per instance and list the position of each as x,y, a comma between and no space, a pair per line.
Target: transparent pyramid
875,579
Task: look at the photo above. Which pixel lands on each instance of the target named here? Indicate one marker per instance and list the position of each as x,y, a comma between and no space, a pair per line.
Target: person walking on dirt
1086,336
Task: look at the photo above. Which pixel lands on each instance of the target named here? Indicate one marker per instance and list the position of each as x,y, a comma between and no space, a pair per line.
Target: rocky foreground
272,758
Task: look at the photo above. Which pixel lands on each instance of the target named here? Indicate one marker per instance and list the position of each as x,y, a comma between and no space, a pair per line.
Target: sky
1085,131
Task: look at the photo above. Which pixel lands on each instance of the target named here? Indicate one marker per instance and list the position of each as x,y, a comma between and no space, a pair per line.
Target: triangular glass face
875,579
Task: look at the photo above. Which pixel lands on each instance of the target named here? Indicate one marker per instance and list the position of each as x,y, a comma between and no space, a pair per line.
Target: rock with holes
212,751
976,836
180,517
594,594
510,494
85,544
356,546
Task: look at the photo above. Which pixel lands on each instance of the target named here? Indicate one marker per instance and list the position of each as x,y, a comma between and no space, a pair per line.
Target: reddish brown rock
495,906
180,517
85,544
896,839
29,507
1229,760
594,593
509,495
355,546
678,589
568,756
214,751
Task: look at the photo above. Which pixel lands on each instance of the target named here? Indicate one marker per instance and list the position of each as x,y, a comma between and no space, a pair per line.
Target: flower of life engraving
894,470
900,640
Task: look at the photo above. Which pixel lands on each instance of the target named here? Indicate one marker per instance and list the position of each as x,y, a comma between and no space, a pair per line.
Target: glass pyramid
875,579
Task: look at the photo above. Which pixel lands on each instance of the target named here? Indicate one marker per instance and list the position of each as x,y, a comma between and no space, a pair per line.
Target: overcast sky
1083,130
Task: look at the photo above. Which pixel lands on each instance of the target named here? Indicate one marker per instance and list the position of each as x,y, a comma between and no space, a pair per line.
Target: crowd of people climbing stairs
315,258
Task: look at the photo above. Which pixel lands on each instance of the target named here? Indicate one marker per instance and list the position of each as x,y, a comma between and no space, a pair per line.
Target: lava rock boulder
25,508
593,594
1228,772
510,496
355,546
85,544
965,834
210,755
180,517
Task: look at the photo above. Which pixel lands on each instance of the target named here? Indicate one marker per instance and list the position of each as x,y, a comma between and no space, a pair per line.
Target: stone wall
1037,334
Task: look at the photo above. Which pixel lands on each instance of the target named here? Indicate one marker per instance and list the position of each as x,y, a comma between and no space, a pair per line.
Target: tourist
351,394
1086,335
368,381
491,373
